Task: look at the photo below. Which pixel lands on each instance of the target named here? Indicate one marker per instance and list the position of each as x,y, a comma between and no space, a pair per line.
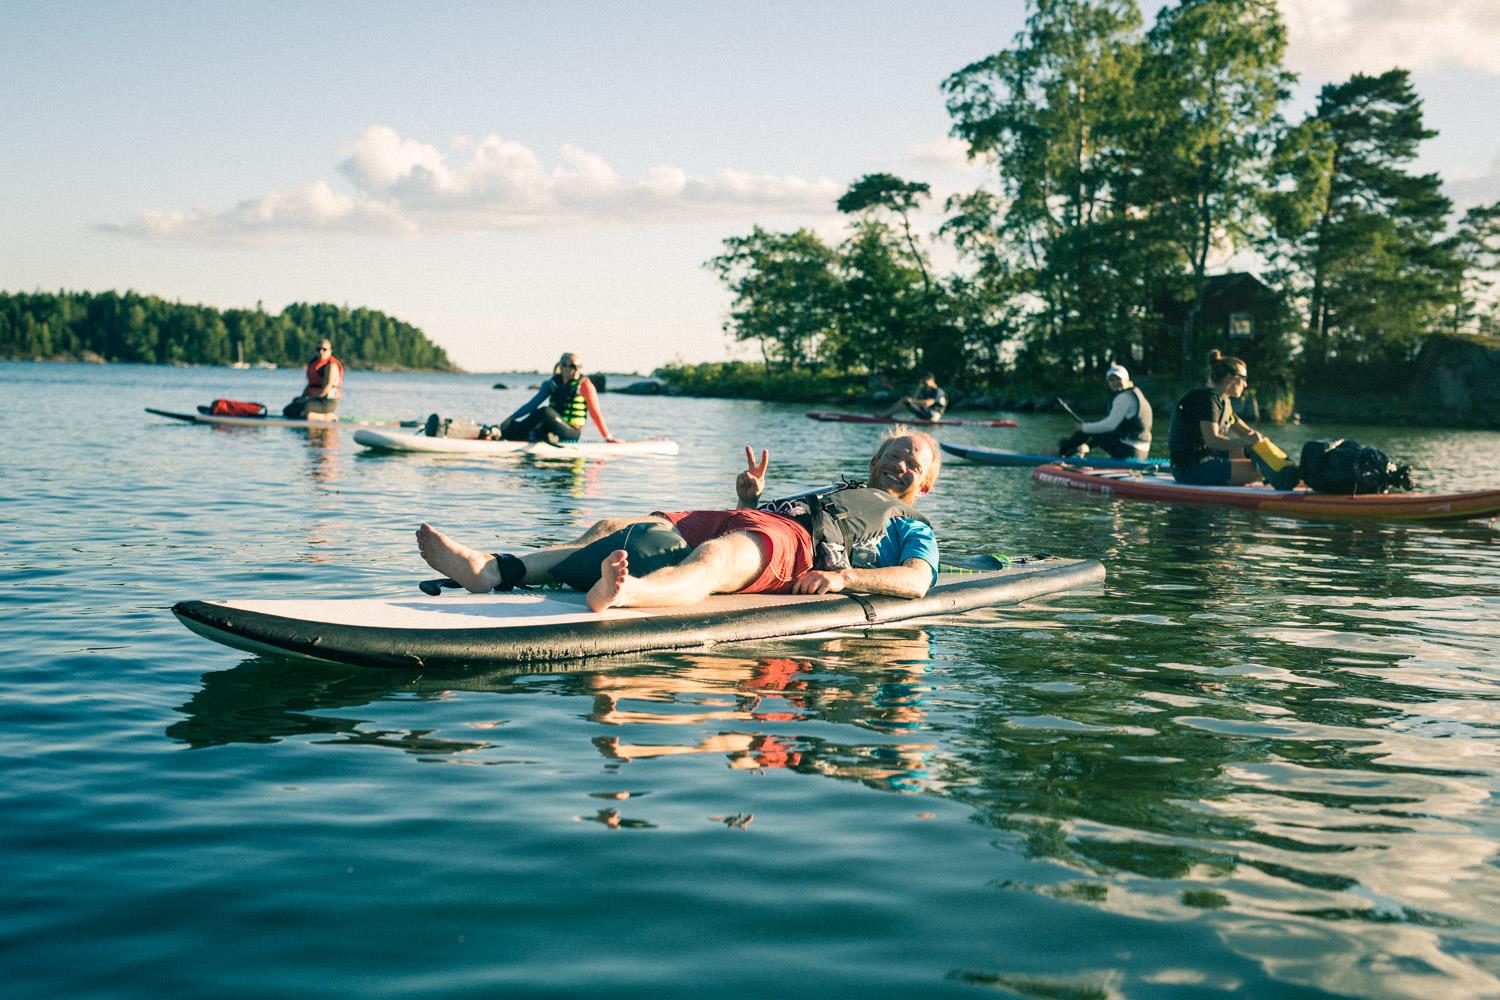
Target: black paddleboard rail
415,648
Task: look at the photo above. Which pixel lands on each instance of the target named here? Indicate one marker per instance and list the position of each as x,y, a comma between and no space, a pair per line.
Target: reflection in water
1251,752
742,708
746,701
1308,767
1259,761
323,465
577,477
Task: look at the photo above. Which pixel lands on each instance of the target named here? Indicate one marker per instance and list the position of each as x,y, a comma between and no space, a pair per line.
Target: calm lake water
1261,760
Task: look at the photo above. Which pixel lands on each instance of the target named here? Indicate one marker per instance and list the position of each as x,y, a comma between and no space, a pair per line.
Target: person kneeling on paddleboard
866,538
325,384
926,402
1125,432
1209,444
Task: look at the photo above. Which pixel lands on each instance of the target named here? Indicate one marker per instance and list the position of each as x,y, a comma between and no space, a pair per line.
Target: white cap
1118,371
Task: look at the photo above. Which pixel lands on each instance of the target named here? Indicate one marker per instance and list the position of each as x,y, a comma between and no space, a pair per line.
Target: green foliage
1057,115
744,380
1211,83
786,293
1360,239
146,329
1128,163
1476,247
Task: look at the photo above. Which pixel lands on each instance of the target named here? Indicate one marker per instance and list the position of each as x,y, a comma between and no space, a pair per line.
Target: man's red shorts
786,543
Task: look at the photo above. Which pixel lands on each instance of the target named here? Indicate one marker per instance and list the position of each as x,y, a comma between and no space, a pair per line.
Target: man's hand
748,484
818,581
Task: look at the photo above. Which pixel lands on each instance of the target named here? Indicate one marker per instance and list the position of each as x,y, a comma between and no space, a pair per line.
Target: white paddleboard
474,630
381,440
270,421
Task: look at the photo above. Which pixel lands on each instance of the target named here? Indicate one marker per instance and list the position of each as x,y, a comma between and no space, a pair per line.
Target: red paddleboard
1291,503
865,418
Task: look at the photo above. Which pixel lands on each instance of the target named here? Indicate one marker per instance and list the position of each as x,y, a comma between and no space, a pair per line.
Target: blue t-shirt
905,538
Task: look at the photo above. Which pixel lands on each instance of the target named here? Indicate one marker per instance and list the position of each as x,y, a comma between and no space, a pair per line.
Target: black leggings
538,424
1110,441
299,408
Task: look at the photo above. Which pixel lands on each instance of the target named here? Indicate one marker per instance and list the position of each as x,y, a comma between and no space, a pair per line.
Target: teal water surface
1261,760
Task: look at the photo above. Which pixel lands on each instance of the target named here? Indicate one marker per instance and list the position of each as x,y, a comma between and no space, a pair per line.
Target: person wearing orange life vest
325,382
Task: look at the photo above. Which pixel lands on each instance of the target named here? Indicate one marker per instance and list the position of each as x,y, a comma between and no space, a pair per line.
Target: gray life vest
843,520
1138,427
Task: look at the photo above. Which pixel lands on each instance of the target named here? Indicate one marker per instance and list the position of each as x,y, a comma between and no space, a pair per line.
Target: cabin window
1241,326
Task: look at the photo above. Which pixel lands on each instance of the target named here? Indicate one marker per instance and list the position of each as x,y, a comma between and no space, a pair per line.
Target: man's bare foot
614,577
475,571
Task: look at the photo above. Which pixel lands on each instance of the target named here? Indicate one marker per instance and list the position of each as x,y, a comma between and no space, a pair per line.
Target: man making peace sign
867,539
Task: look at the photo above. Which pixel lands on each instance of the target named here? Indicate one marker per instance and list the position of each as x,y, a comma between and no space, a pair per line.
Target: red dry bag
236,408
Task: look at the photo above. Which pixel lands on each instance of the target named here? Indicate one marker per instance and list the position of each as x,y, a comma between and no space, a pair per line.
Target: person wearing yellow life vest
325,384
558,410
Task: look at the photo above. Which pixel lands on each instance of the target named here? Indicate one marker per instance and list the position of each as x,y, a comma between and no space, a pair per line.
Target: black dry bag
1336,465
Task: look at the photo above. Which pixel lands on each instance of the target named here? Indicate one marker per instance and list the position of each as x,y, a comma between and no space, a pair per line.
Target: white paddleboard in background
275,421
404,442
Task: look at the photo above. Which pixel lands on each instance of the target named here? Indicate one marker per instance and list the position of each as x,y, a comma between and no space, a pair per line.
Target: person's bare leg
479,572
475,571
721,565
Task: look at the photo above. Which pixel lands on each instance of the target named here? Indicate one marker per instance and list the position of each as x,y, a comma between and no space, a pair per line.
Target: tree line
150,330
1126,160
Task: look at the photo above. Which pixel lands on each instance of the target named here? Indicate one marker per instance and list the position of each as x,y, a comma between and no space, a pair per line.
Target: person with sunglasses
555,414
1210,446
325,383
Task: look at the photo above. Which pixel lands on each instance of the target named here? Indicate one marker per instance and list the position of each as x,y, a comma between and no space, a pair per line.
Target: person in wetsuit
325,384
558,410
926,402
891,548
555,414
1208,444
1125,432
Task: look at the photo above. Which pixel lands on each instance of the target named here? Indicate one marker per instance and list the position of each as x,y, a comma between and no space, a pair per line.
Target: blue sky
520,179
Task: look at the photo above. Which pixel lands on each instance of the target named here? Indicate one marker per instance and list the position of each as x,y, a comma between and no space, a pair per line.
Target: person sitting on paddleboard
927,401
867,539
1125,432
325,384
556,413
1209,445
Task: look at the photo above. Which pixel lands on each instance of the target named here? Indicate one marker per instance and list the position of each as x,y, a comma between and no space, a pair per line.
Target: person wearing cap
1125,432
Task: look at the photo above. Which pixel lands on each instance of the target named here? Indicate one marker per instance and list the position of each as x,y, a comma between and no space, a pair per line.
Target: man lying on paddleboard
867,539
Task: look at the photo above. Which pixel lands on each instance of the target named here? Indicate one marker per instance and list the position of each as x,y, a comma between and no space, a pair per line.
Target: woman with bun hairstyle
1210,446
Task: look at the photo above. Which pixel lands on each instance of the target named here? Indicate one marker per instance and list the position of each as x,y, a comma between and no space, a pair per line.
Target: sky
523,178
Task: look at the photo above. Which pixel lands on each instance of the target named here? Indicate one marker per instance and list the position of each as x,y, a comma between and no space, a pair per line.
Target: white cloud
948,153
1331,39
313,208
405,187
1468,192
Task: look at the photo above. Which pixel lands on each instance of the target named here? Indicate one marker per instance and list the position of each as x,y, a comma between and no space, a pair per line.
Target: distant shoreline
738,380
